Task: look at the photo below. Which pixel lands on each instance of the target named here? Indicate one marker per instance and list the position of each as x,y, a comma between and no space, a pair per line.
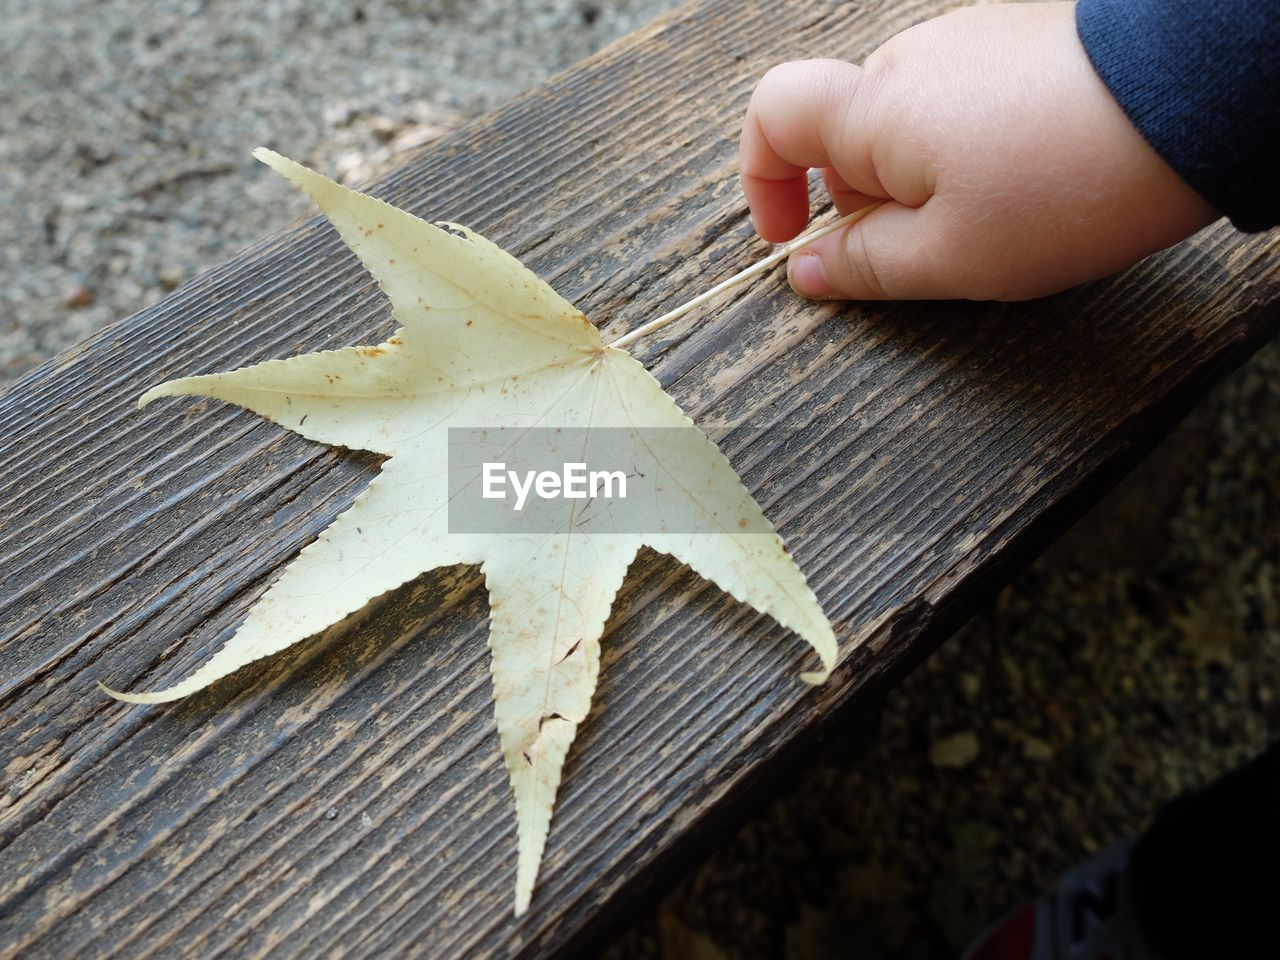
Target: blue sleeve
1201,81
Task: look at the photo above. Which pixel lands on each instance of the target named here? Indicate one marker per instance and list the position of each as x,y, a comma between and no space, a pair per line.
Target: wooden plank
347,798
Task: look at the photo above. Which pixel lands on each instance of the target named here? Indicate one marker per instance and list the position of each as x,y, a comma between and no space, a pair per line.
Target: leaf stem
776,257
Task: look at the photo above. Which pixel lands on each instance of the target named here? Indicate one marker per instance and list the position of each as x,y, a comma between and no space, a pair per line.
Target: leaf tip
320,188
522,902
822,640
268,156
526,876
170,388
159,696
150,395
116,694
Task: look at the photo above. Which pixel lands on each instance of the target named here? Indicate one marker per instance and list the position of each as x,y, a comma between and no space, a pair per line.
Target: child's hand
1009,170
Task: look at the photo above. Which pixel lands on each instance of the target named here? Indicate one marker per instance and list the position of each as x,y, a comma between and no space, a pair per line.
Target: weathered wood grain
347,798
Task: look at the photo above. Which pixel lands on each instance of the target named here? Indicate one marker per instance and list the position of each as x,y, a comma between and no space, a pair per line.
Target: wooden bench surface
348,798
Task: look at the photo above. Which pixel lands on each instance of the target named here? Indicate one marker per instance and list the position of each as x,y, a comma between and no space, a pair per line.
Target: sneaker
1091,916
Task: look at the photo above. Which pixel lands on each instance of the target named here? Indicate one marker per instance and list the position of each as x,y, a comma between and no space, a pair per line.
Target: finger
894,253
779,208
798,118
845,197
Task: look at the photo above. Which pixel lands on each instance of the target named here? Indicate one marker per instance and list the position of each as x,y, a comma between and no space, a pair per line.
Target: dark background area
1135,660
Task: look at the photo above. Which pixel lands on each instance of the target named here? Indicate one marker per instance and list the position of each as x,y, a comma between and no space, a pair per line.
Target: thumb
887,255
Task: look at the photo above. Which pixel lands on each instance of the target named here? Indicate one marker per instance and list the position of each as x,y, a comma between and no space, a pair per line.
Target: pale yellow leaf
485,342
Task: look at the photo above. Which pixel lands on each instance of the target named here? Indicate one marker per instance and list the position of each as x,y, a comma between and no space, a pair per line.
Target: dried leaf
485,342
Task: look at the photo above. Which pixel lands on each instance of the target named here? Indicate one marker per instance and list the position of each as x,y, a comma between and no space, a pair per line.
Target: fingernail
809,277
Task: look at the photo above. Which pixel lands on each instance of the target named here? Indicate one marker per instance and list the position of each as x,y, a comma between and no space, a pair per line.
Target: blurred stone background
1133,661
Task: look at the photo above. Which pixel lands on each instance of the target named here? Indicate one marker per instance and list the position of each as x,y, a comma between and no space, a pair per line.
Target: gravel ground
1132,662
126,127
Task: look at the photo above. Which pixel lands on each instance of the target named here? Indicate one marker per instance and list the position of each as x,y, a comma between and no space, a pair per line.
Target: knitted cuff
1200,79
